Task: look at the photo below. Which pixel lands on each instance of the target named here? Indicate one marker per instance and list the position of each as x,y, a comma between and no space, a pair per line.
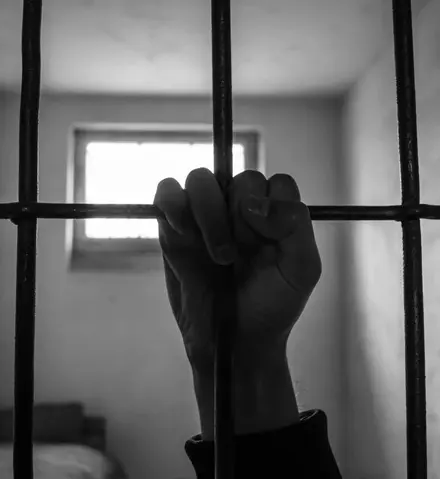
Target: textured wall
376,422
109,339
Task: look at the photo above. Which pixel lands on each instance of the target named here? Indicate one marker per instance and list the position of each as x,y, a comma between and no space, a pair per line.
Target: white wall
376,422
109,339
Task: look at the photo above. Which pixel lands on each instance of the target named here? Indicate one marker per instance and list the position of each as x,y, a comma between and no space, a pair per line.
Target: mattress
63,461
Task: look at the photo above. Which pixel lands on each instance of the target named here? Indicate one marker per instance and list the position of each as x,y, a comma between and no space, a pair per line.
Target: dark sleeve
300,451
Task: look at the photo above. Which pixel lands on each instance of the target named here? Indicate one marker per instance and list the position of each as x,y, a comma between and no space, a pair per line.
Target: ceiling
163,47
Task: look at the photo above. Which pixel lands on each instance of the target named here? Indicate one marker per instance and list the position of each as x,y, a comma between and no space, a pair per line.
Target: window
125,167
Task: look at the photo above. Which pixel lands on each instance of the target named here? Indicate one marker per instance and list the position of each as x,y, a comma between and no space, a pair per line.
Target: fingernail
258,206
226,254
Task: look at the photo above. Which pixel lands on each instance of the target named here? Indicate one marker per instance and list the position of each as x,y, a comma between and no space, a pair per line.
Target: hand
275,257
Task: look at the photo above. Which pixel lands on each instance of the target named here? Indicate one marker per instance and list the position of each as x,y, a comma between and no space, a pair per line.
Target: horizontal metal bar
16,211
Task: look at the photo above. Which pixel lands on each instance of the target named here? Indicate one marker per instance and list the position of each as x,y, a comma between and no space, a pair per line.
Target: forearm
264,398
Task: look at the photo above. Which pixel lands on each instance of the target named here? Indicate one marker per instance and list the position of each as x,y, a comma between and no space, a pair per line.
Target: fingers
283,187
285,197
299,262
245,184
284,202
277,195
172,200
201,206
208,207
274,221
200,209
287,222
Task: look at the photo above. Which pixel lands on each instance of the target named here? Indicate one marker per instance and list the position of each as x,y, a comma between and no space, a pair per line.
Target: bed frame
95,432
94,428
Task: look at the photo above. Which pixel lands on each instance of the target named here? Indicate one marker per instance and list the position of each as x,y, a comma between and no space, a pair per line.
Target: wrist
264,398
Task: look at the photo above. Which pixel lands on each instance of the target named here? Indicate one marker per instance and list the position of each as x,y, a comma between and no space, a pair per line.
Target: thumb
272,219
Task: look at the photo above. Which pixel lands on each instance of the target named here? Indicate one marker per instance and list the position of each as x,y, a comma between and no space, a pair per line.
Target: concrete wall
109,339
376,421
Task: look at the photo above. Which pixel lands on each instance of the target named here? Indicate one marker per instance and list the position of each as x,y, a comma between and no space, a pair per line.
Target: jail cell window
125,167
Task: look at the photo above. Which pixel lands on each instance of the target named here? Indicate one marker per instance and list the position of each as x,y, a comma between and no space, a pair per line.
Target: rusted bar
26,242
15,211
225,307
412,249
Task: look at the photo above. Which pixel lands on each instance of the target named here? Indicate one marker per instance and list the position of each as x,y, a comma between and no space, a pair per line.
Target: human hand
275,257
276,260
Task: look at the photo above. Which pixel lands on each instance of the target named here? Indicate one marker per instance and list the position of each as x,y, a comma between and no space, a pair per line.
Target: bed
67,444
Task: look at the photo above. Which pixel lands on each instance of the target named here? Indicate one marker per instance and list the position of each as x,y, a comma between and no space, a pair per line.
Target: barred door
27,210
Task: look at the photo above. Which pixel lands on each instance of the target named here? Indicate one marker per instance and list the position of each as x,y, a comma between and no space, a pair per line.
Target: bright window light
129,172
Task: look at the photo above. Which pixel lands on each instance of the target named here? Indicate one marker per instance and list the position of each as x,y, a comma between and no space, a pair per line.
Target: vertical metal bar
26,242
225,308
412,250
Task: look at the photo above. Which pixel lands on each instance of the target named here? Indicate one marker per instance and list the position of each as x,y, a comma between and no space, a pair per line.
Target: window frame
129,252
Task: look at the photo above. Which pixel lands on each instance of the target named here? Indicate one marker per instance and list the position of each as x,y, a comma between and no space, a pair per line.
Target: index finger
209,209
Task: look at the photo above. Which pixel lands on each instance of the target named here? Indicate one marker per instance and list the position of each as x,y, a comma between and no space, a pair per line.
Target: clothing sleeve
300,451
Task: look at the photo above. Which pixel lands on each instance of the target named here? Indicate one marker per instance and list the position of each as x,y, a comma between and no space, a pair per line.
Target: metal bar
26,242
15,211
410,214
225,307
412,249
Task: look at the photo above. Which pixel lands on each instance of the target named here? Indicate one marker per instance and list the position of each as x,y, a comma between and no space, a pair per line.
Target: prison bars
27,210
26,243
15,211
225,302
412,249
